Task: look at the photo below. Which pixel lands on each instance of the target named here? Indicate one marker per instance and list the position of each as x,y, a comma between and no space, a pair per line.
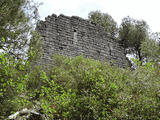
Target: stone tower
73,36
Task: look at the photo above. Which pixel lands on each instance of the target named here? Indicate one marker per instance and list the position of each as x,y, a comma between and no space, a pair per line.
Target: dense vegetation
79,88
134,35
76,88
17,19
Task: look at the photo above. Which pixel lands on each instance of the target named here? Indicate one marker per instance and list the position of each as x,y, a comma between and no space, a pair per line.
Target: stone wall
73,36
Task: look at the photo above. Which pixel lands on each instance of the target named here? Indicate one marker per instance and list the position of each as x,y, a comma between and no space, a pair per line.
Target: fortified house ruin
74,36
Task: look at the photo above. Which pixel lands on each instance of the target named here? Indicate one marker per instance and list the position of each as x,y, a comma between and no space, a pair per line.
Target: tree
151,47
15,26
132,33
17,18
104,20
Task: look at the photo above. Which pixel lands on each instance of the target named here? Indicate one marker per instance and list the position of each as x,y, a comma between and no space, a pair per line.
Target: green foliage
151,48
79,88
12,84
104,20
16,23
132,33
140,96
74,88
92,92
35,47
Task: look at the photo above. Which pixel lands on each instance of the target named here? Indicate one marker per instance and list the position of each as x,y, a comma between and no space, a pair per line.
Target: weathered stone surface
73,36
27,114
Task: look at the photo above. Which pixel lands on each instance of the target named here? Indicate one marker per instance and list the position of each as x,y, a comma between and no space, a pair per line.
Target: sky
148,10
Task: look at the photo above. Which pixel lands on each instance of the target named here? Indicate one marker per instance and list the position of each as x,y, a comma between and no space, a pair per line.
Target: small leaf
3,39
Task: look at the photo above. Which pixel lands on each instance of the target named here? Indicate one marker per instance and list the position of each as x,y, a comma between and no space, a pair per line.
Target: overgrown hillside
75,88
79,88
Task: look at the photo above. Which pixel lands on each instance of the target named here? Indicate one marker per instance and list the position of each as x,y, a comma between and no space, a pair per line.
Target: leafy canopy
16,23
104,20
132,33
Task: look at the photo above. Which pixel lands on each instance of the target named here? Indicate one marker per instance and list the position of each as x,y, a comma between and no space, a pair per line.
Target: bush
79,88
12,85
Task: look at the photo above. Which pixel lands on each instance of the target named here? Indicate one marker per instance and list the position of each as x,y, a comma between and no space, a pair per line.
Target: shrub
12,85
80,88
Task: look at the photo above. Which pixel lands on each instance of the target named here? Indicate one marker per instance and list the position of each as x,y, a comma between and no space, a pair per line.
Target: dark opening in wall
93,23
110,48
98,51
110,52
61,48
75,36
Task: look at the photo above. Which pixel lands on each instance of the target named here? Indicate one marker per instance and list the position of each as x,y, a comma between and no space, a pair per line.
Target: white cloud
147,10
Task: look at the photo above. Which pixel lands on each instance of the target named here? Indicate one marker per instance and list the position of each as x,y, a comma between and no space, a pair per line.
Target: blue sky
148,10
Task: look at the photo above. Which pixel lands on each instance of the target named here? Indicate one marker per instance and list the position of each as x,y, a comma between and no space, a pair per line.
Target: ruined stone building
74,36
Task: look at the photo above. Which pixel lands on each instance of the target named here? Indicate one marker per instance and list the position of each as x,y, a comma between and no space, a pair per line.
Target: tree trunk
140,57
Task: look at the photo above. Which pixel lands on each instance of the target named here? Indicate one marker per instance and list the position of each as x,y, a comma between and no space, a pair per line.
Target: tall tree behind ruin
104,20
132,33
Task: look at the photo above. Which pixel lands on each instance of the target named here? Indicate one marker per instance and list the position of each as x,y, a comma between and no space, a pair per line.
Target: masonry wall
73,36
